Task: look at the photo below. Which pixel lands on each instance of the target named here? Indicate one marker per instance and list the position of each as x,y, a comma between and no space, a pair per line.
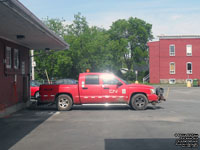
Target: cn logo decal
113,91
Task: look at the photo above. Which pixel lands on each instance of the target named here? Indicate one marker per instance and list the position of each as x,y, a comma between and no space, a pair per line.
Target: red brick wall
8,95
159,64
154,63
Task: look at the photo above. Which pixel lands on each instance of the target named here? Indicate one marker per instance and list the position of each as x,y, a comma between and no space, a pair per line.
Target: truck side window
92,79
110,80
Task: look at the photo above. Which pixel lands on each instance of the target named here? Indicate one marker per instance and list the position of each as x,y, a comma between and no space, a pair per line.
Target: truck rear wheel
64,102
139,102
37,94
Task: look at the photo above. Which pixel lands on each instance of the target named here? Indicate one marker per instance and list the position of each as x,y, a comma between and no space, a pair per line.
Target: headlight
153,91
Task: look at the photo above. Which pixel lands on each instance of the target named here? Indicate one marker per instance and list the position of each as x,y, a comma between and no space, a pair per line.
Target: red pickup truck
100,88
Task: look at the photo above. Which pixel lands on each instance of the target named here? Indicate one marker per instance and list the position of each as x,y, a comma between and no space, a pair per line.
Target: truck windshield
35,83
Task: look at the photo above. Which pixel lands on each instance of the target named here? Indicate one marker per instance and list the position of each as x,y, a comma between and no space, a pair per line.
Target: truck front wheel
64,102
139,102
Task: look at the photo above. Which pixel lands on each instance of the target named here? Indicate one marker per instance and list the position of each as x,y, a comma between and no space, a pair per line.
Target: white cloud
105,20
175,17
184,25
168,24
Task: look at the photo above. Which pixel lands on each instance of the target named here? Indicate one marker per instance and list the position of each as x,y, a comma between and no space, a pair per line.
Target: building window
191,81
91,79
172,81
189,50
8,57
172,68
172,50
189,68
16,59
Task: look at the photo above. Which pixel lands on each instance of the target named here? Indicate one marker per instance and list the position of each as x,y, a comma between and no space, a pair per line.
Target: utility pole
136,74
33,64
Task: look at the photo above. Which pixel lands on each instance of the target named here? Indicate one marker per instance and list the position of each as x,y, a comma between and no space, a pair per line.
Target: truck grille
159,91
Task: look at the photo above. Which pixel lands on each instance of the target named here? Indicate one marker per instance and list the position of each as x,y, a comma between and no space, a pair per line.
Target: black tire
139,102
37,94
64,102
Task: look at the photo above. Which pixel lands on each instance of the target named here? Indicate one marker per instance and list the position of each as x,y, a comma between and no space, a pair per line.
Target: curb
9,110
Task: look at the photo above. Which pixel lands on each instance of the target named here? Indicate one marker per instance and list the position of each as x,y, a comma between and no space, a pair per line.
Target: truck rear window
92,79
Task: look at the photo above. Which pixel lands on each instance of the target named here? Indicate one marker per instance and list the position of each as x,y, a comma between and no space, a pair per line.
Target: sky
168,17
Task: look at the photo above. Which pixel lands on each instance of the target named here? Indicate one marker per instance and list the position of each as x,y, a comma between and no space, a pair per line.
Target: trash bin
195,83
199,82
188,84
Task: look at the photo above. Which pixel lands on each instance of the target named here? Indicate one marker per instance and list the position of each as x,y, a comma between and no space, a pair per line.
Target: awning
19,25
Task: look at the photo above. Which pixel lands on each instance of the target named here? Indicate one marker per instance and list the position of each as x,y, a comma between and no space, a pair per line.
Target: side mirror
119,84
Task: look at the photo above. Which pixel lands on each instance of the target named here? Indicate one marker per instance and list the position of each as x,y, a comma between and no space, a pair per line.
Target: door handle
106,88
84,88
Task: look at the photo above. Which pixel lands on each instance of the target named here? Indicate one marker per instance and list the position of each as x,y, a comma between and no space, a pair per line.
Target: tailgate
48,92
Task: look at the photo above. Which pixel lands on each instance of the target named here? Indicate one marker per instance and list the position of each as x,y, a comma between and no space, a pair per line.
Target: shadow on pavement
104,108
16,126
154,107
141,144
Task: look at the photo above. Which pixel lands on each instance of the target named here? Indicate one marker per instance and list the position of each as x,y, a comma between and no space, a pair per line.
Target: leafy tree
56,25
97,49
88,46
58,64
134,33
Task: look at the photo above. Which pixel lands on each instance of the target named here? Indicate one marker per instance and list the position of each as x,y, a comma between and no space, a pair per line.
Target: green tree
133,35
88,46
56,25
57,63
97,49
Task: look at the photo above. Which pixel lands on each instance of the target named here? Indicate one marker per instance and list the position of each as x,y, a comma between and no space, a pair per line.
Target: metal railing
146,78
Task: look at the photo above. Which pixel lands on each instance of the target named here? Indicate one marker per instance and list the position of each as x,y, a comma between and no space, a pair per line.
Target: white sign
123,91
33,64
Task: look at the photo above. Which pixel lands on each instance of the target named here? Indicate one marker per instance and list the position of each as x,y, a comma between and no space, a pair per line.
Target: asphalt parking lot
104,128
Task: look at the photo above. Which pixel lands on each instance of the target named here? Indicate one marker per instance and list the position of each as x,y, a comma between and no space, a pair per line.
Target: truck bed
48,93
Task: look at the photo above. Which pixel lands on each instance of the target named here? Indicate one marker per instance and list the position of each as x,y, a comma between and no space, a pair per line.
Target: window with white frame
189,68
16,58
191,81
172,81
8,57
171,50
189,50
172,68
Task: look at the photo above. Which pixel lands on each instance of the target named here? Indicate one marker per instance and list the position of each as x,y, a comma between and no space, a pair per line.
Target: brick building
20,31
174,59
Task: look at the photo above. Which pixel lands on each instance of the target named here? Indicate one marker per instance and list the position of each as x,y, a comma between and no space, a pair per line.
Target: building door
26,88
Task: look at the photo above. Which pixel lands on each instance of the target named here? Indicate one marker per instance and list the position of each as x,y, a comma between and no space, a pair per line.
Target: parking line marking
57,113
167,94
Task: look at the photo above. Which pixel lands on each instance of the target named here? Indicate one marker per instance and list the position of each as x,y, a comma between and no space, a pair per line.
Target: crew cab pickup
100,88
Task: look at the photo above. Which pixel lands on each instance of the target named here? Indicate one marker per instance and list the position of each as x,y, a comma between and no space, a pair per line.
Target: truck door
90,89
113,90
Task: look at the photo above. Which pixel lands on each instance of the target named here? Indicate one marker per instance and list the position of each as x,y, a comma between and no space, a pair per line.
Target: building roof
179,36
19,25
